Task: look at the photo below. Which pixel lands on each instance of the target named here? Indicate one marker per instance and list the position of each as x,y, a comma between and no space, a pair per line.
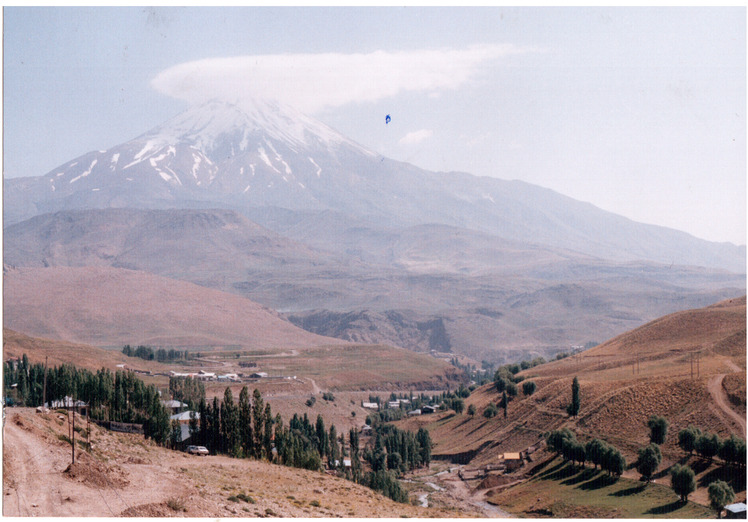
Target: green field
561,491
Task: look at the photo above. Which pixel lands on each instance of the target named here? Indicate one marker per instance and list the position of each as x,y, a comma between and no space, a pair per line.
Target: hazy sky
639,111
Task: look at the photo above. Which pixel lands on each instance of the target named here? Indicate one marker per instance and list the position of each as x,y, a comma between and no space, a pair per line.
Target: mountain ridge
244,167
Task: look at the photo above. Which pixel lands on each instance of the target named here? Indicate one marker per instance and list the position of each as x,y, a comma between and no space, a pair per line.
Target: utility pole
73,439
44,392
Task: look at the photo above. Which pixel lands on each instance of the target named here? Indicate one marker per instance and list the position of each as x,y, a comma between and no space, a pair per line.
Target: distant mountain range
277,207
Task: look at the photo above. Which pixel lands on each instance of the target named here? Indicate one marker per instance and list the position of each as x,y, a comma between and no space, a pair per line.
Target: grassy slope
561,491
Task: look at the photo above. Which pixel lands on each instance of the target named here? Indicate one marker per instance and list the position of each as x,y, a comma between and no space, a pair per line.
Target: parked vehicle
197,450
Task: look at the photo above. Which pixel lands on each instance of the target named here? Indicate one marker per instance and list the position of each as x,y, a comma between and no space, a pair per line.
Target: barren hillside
112,307
623,382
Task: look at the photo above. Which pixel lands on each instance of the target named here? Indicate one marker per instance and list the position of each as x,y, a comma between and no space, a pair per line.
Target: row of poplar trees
119,396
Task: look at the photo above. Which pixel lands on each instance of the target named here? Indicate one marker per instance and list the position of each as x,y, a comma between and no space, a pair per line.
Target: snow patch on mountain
86,172
319,169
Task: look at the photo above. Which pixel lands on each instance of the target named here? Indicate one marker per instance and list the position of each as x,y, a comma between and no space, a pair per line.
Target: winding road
714,385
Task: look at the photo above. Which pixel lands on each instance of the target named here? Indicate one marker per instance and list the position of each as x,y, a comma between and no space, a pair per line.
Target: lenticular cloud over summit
311,82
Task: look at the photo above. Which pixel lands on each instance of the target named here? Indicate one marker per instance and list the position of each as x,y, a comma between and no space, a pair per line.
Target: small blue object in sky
387,119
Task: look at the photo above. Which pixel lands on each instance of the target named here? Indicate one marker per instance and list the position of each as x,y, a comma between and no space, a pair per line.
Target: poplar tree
573,408
258,416
245,423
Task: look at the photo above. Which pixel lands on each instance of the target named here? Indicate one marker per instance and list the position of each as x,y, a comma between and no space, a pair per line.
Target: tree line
247,428
731,450
119,396
161,355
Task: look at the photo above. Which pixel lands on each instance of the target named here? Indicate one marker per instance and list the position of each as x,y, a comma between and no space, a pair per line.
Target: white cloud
415,137
311,82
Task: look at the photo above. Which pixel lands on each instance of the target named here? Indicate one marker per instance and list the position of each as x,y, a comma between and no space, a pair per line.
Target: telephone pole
44,392
73,439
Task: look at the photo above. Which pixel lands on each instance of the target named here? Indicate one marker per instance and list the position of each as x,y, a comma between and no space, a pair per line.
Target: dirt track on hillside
720,397
36,485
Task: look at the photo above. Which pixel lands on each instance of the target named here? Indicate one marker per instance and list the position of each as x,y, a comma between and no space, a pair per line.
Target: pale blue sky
638,111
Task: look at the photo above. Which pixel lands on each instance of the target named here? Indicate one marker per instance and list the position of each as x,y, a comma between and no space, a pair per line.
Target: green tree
687,438
732,450
504,402
595,450
528,387
458,405
649,460
613,461
707,445
245,423
424,444
491,411
258,418
573,408
175,437
471,410
657,429
555,439
720,495
267,436
230,436
683,481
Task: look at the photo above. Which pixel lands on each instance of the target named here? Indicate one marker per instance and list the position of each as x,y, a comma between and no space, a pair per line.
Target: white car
197,450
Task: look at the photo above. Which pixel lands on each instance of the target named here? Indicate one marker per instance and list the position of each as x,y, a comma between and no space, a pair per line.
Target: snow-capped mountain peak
214,125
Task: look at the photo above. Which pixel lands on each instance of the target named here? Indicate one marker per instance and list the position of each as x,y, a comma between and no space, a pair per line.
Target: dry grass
616,402
170,483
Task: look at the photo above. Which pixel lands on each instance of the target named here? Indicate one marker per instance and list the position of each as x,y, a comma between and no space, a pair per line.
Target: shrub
528,387
176,504
491,411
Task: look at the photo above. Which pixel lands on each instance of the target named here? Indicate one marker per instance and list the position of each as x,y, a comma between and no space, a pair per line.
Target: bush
176,504
491,411
528,387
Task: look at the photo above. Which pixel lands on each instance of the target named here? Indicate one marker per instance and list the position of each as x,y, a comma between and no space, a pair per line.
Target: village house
174,406
737,510
68,403
512,461
184,423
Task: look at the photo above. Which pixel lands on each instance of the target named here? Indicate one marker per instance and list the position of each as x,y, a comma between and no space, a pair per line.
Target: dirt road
717,392
35,485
